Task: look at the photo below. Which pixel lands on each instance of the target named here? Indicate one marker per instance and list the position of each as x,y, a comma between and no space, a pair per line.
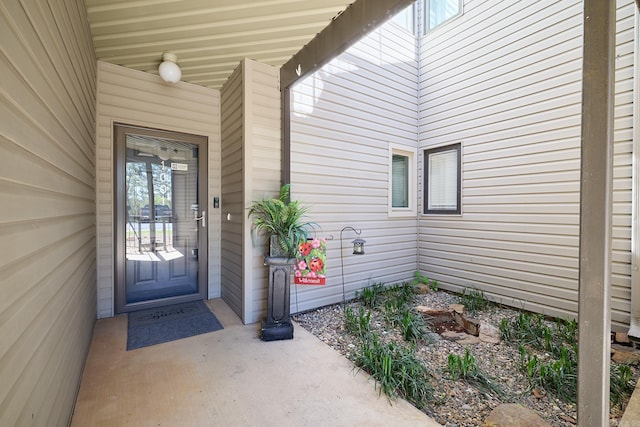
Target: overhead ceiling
210,37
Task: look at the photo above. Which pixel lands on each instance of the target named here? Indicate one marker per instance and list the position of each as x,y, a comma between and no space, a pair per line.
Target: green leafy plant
283,218
422,279
396,370
526,328
557,369
393,312
465,368
360,324
567,330
474,300
533,330
372,296
461,366
403,293
412,326
557,375
621,385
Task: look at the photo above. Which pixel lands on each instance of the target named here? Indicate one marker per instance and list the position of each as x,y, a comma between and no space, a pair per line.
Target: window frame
412,179
457,148
425,15
414,22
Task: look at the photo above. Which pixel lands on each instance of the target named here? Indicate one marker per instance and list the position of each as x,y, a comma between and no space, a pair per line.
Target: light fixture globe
168,69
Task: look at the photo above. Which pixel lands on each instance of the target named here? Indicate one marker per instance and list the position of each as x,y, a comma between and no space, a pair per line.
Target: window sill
402,213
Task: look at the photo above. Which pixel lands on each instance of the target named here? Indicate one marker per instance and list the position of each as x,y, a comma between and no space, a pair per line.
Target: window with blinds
399,181
403,173
442,180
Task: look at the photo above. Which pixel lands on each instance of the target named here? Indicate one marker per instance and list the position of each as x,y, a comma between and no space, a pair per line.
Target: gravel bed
457,403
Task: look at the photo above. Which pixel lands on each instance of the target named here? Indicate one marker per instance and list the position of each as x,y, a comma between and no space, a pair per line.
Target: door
161,222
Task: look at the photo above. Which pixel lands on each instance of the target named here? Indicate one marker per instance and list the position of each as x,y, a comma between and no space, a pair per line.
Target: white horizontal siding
231,203
505,80
142,99
47,220
344,117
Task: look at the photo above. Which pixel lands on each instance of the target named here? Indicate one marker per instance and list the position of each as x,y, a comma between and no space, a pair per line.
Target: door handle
202,219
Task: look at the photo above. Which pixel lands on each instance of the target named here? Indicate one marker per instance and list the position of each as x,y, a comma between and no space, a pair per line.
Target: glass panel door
162,225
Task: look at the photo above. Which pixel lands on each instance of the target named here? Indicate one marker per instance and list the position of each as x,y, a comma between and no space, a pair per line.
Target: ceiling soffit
210,37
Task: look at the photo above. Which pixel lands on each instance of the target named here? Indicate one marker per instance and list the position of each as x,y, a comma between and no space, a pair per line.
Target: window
400,181
442,180
402,176
405,18
439,11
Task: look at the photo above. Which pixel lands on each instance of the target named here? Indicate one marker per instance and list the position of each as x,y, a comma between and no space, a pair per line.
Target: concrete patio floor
228,378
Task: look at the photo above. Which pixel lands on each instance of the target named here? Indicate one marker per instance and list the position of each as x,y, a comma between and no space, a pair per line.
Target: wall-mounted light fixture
168,69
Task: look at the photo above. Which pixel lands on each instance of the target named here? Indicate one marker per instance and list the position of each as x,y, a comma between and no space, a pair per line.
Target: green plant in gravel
557,372
465,368
421,279
533,330
474,300
557,375
567,330
396,370
393,309
412,326
402,293
372,296
621,385
526,328
360,324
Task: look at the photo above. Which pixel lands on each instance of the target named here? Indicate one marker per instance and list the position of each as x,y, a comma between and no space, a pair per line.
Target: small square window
442,176
402,178
438,12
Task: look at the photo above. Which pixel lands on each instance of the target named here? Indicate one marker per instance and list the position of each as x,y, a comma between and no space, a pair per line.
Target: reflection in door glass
161,236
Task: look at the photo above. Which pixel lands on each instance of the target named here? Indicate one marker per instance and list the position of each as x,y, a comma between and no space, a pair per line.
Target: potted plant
282,220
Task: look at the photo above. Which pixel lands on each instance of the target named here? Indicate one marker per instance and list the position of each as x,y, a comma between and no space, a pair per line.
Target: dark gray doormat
168,323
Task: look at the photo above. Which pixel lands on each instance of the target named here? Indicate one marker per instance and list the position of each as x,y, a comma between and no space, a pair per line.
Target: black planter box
276,331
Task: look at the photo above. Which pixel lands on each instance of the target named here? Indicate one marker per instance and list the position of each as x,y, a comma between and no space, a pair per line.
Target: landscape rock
436,314
433,337
469,340
460,337
456,308
490,334
421,289
453,335
622,338
625,355
514,415
471,326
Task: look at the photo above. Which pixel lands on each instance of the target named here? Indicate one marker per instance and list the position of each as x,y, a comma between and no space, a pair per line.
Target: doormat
172,322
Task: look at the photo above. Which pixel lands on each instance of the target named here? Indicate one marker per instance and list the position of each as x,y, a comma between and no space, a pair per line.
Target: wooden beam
360,18
356,21
594,312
